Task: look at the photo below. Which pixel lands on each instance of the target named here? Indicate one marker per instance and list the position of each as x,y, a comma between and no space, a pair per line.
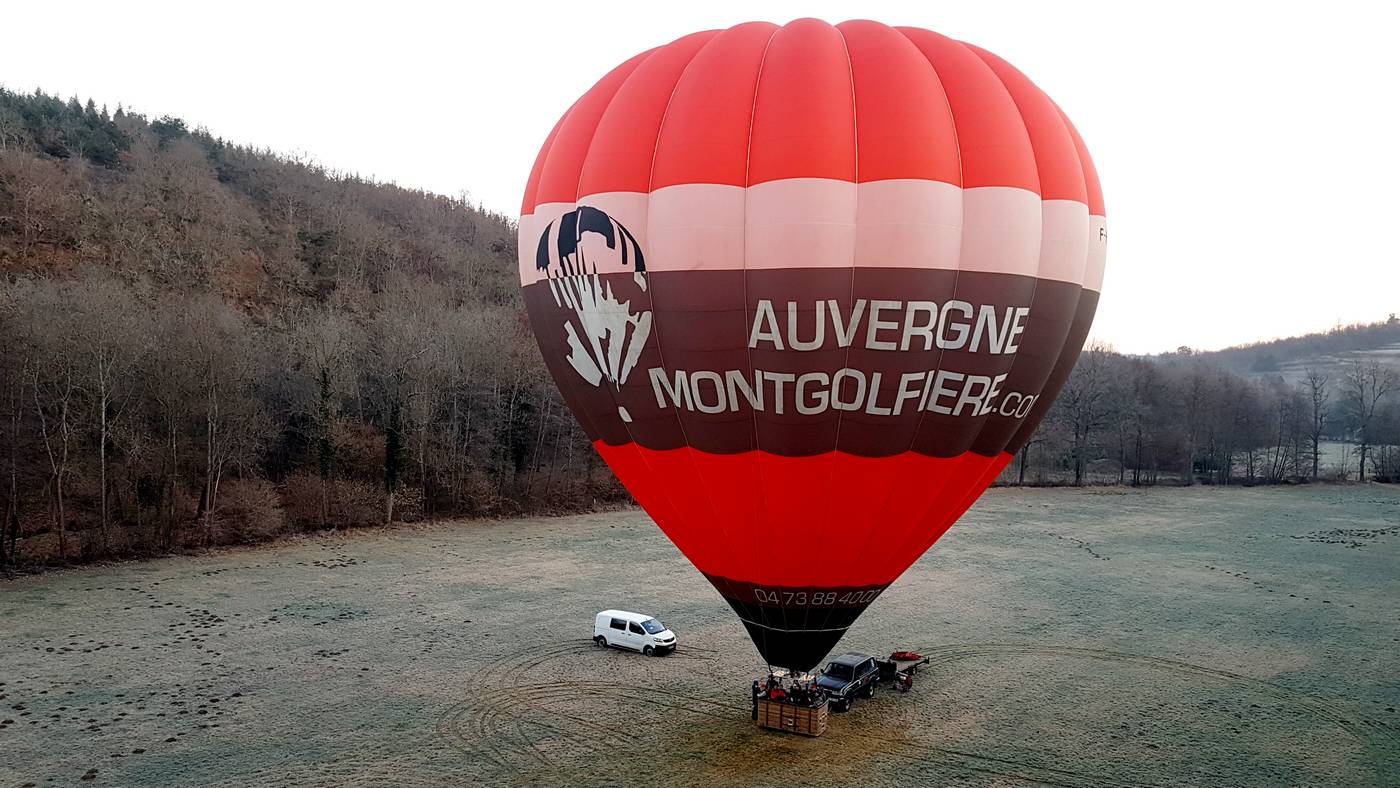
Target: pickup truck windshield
652,626
839,671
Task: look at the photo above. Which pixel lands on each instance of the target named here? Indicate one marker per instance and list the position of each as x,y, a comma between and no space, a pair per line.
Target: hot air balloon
808,288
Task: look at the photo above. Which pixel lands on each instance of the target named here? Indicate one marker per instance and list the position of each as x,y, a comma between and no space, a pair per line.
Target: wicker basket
789,717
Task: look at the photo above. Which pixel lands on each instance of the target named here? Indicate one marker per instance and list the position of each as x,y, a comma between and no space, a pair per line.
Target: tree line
1183,418
203,343
143,421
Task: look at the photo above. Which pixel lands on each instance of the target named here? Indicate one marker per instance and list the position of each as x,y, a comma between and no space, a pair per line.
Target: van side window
618,624
635,628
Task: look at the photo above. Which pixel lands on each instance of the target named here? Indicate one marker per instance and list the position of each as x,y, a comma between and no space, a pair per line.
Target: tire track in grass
501,716
486,724
498,720
1317,707
548,697
494,708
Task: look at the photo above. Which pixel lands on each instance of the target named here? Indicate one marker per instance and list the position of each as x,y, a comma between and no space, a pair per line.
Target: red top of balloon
859,102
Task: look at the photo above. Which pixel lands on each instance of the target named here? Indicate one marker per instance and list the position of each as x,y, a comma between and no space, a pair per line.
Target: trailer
898,671
855,675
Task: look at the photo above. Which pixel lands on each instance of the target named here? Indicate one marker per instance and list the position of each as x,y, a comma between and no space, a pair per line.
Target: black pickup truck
848,676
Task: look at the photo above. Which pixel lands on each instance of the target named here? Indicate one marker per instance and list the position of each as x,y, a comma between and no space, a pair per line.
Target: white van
633,630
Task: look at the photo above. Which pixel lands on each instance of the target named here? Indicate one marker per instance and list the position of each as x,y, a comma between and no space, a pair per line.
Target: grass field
1197,636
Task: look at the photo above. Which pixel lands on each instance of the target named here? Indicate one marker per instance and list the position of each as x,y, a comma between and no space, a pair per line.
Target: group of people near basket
793,691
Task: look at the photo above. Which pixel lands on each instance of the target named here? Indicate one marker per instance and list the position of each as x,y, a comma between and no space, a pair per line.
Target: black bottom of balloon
796,651
795,627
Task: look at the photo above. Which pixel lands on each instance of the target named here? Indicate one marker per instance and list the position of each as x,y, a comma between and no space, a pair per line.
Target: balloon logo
808,289
615,334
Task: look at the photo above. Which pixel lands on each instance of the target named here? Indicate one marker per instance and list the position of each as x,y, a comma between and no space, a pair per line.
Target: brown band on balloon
700,324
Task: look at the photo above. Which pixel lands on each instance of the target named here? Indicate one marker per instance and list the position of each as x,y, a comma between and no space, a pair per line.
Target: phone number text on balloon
784,598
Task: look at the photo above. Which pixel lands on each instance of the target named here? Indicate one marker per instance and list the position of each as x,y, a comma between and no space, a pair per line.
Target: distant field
1201,636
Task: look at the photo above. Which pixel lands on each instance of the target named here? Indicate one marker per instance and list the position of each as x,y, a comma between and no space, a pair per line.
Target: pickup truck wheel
649,651
602,641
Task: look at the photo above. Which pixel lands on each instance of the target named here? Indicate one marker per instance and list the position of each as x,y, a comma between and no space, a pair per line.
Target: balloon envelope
808,289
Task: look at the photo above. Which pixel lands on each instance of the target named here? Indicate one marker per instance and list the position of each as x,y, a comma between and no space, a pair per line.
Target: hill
203,343
1330,351
155,200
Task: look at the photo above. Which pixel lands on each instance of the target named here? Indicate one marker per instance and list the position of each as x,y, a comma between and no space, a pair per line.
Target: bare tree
108,324
1083,404
222,349
394,343
1195,396
1147,393
323,342
14,374
1317,394
1365,385
1024,458
1284,411
42,199
1387,436
173,392
55,385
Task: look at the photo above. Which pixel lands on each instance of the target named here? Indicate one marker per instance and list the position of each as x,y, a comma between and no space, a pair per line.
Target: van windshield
652,626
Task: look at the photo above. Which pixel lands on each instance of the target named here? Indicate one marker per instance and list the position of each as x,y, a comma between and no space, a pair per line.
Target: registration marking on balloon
808,289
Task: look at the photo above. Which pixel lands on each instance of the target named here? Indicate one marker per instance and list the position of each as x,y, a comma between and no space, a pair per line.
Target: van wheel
602,641
649,651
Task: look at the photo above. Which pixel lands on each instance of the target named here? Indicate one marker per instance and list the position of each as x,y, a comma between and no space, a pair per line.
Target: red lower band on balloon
833,521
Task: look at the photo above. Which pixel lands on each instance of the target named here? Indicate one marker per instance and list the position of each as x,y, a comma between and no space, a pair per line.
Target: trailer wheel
602,641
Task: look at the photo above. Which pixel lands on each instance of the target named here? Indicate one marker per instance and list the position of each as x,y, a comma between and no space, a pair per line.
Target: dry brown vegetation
205,344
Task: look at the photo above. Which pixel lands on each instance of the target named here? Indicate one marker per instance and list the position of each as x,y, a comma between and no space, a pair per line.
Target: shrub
249,510
349,504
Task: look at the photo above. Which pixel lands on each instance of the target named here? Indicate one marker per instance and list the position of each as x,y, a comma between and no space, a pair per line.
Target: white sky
1249,152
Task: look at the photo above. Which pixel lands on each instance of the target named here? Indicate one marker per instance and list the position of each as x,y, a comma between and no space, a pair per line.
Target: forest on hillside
203,343
1326,349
